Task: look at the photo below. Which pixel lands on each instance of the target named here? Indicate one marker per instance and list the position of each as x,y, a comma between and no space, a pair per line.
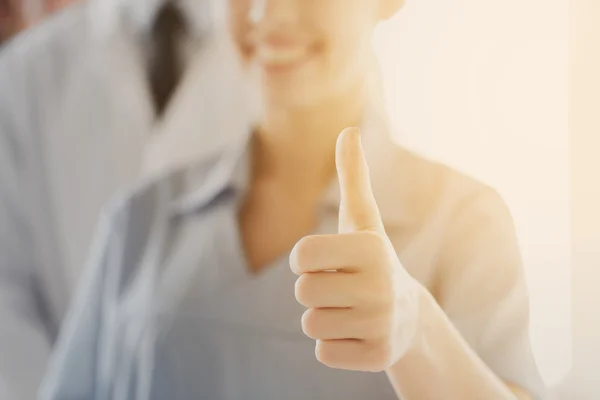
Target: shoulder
34,70
37,62
34,67
464,249
439,218
427,190
53,38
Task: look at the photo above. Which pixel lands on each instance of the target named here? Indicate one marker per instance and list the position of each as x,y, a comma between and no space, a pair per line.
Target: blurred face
53,5
14,16
11,20
306,50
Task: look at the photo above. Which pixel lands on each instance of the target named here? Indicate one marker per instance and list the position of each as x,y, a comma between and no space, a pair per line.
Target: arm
377,317
475,344
444,357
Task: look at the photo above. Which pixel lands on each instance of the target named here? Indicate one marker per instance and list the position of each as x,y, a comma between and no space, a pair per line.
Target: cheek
336,69
239,26
346,61
348,42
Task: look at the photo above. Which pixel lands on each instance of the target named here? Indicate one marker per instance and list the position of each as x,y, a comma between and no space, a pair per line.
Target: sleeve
482,289
24,328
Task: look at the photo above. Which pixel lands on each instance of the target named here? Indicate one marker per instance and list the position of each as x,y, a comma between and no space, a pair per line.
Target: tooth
279,55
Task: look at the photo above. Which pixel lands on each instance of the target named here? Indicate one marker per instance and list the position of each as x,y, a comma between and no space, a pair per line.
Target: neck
297,144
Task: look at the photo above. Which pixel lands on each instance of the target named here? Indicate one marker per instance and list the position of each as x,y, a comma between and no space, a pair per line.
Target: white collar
109,16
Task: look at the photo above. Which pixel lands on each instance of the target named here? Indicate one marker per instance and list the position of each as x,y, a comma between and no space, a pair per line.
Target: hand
362,304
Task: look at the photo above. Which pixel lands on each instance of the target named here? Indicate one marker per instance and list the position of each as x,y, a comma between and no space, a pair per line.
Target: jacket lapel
212,110
103,119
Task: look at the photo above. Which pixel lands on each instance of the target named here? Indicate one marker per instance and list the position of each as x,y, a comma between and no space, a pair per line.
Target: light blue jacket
75,119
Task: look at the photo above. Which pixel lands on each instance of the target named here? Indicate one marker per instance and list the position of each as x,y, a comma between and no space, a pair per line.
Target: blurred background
483,86
518,81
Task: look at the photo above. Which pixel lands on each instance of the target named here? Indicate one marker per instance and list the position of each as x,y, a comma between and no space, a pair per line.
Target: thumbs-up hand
362,304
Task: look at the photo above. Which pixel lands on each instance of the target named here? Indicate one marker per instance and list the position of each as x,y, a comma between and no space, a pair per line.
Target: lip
279,52
282,69
278,68
280,41
278,56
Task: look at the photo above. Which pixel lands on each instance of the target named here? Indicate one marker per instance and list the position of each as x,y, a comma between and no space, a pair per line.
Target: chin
298,86
290,95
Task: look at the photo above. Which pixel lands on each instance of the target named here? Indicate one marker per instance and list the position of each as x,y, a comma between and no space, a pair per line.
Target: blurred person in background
54,5
82,98
17,15
12,19
188,291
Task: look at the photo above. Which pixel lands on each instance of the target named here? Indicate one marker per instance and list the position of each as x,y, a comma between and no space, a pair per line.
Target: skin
369,315
11,19
54,5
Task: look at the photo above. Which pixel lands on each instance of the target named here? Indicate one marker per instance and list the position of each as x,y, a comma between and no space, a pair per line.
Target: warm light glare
482,86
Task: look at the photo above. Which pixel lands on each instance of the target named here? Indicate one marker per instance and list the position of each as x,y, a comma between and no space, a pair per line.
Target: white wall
584,380
483,86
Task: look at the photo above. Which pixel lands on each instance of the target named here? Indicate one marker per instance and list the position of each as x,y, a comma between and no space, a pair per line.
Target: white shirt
138,15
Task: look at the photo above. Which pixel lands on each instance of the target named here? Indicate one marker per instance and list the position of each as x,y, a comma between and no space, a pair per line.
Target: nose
273,11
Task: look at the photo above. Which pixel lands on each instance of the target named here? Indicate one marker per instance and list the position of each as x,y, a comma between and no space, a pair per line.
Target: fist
362,306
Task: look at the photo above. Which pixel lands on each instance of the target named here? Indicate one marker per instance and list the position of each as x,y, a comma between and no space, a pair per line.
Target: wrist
427,322
421,352
439,354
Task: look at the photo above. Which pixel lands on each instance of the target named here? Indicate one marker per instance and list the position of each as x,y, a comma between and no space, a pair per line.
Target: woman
416,274
314,60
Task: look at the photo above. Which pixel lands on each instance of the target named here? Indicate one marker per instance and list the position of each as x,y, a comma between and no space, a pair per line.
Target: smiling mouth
281,57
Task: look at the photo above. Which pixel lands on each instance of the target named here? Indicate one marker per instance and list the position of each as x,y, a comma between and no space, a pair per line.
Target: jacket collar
136,16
